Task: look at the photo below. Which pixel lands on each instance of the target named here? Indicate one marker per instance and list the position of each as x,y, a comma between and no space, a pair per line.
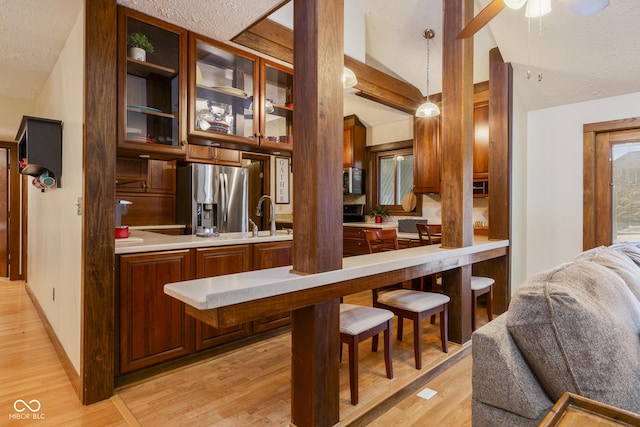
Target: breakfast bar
314,301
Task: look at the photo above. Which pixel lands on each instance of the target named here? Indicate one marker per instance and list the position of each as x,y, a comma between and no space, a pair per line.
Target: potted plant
379,213
139,45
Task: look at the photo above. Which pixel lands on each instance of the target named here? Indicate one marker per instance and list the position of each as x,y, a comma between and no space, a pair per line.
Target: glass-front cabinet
222,90
152,86
237,99
277,121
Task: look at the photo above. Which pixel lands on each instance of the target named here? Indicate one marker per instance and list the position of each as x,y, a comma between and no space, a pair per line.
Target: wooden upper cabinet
151,90
213,155
134,175
355,141
481,140
426,155
223,85
276,120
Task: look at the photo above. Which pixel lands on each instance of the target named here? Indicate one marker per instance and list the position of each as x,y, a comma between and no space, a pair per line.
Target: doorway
611,189
259,166
12,215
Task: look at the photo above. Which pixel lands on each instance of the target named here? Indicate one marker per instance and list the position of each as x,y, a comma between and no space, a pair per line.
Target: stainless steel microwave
353,181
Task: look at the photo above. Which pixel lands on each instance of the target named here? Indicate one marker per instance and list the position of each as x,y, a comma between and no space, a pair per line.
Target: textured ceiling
580,58
33,32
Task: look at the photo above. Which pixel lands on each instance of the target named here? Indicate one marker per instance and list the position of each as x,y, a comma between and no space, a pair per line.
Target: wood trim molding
596,199
98,245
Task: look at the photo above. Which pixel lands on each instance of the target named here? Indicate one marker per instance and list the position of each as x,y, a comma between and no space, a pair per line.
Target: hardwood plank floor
247,386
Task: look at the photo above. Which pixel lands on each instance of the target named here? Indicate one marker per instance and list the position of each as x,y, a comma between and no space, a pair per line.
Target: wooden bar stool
480,286
405,303
357,323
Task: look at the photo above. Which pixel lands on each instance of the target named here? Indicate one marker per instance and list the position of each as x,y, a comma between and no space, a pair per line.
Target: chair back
429,234
385,239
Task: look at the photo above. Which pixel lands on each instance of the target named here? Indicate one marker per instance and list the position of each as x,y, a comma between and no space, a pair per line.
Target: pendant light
537,8
349,78
514,4
428,109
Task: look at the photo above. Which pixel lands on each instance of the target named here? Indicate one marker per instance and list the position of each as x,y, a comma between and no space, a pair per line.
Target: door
12,223
611,189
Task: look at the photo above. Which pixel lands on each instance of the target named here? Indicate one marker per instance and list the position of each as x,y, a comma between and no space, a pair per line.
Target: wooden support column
500,118
317,203
457,159
98,216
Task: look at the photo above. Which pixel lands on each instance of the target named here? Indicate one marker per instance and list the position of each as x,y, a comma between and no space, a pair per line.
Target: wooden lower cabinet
211,262
153,326
271,255
353,242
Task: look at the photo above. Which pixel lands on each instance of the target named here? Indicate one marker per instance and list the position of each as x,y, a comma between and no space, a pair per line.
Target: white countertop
221,291
371,224
146,241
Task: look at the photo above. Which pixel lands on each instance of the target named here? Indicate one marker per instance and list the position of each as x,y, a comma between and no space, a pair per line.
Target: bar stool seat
358,323
480,286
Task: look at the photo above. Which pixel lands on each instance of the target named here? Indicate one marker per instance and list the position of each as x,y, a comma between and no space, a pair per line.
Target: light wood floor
248,386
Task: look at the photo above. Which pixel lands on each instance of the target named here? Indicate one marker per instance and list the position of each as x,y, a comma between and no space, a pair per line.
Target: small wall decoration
282,180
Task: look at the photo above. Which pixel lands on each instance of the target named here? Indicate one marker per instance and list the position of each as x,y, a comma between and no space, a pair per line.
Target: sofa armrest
501,378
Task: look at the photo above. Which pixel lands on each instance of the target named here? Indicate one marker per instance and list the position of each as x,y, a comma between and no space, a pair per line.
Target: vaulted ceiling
579,58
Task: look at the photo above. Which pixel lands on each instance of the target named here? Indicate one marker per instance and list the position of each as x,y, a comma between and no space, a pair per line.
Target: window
393,178
611,195
625,202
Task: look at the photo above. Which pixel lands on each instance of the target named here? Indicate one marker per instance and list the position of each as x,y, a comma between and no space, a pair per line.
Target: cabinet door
152,90
355,141
223,93
218,156
162,176
213,262
271,255
426,155
153,326
276,118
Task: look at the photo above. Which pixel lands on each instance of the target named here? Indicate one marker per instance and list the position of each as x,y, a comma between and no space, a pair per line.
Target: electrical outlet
79,206
54,294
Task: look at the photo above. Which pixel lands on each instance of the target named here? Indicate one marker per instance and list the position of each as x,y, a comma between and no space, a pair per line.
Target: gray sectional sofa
572,328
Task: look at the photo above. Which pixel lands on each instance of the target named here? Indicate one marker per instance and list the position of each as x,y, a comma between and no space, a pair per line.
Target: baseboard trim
73,376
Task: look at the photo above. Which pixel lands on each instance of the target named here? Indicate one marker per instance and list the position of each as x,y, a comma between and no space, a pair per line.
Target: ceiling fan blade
585,7
482,19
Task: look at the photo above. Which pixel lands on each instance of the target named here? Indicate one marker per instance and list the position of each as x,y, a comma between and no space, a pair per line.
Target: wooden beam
317,129
500,125
98,245
457,159
276,41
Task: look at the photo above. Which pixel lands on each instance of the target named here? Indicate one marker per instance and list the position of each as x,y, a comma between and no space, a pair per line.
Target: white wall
11,112
54,229
551,218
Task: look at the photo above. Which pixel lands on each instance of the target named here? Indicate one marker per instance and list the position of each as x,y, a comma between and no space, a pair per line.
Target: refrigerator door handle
224,192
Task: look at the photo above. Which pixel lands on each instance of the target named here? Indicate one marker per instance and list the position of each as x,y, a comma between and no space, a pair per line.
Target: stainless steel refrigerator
212,198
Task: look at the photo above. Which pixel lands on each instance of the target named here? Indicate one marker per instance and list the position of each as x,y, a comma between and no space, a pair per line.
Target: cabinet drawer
354,246
353,232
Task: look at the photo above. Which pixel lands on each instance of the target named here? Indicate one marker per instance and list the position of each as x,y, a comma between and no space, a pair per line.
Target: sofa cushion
617,259
577,327
501,377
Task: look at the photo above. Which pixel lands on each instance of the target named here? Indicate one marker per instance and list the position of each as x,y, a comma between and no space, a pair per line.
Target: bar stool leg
353,369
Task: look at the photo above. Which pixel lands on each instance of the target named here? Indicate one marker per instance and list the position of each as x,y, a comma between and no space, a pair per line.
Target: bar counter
242,289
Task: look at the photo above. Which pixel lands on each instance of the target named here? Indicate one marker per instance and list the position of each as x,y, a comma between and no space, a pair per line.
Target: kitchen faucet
273,212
